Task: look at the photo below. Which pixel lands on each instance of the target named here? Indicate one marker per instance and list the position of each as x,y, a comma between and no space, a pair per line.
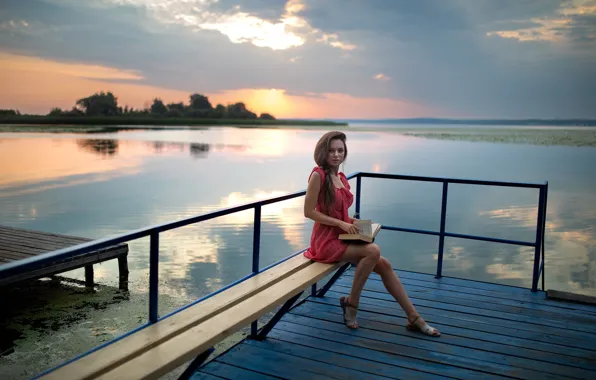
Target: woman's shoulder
319,170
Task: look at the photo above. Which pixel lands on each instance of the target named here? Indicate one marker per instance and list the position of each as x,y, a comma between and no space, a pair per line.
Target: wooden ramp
488,331
17,244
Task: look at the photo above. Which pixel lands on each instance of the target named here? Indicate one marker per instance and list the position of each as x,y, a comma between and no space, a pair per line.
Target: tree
239,111
200,102
176,106
56,111
99,104
266,116
158,108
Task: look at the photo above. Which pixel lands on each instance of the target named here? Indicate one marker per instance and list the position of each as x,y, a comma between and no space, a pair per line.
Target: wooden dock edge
559,295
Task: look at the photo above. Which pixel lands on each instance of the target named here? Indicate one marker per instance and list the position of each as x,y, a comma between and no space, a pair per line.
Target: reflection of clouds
94,178
37,160
288,215
456,258
570,251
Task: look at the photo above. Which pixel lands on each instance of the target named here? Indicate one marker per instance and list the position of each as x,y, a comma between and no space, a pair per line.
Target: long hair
321,155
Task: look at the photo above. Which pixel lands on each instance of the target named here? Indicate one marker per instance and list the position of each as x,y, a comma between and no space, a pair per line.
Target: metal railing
153,232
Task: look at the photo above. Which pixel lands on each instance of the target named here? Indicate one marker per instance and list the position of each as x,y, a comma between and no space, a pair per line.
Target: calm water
100,185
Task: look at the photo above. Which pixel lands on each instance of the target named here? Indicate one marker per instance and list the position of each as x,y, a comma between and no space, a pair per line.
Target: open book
367,231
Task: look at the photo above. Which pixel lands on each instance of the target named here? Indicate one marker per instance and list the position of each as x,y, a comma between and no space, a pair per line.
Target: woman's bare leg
366,258
397,290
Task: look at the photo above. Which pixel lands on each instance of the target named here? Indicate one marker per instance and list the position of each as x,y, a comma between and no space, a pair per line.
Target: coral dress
325,245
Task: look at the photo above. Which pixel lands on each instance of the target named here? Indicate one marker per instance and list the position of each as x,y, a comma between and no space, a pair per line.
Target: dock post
123,272
89,276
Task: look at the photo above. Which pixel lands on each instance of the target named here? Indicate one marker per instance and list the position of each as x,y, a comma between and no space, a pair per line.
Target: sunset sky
306,58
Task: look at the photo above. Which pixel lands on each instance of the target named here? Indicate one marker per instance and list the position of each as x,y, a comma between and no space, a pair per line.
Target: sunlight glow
80,70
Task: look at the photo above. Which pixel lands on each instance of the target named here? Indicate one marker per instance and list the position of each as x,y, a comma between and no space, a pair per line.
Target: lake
97,185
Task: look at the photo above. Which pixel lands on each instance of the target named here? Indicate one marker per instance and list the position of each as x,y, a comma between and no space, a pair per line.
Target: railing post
539,234
358,192
256,247
153,275
543,235
442,230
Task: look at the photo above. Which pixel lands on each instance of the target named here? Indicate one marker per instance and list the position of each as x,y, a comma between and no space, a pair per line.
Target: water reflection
100,146
155,177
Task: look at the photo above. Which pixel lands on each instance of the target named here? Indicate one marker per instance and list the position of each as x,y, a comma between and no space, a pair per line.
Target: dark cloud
436,53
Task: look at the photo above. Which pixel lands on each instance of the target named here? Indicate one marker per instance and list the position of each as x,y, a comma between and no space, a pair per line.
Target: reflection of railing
153,232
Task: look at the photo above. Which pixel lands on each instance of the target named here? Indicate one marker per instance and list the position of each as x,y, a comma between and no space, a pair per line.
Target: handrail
154,231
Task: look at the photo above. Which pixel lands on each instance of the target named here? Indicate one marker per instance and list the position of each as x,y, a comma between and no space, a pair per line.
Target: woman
328,198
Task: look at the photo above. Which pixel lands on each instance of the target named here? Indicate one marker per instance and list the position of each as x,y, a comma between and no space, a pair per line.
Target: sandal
352,324
426,329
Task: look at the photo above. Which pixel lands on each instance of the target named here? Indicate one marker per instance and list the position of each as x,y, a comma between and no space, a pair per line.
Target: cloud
240,24
574,22
463,56
382,77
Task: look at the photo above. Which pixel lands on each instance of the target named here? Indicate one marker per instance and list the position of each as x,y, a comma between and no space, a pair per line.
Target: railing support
332,280
442,230
273,321
540,223
543,261
153,275
256,248
358,192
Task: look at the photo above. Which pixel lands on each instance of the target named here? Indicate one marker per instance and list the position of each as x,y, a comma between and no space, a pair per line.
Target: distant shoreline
496,122
156,121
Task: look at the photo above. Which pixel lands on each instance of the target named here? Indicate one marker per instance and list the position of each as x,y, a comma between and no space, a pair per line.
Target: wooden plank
378,321
528,296
26,232
579,367
184,347
70,264
34,243
460,282
343,360
505,314
13,256
491,363
206,376
42,238
124,350
381,355
419,291
287,366
227,371
570,297
379,292
572,338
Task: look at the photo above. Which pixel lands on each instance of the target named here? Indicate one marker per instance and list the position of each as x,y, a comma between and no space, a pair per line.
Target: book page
365,227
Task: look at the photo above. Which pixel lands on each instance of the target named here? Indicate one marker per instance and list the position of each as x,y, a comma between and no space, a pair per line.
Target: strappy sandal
426,329
352,324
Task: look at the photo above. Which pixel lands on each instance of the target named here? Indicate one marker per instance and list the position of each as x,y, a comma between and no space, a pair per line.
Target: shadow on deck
488,331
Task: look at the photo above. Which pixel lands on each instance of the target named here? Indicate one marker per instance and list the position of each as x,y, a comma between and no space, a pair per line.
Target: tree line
106,104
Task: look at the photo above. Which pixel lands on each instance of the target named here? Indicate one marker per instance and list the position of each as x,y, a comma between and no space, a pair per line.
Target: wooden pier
17,244
489,331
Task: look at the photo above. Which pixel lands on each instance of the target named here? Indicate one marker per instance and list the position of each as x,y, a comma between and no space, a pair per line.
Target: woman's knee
373,251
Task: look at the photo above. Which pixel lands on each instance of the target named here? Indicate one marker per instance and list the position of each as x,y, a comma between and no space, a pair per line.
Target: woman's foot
418,324
349,312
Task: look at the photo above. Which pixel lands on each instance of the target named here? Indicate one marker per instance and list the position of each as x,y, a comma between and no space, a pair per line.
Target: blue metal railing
154,231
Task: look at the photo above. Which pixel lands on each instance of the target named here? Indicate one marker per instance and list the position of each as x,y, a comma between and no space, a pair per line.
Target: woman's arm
310,203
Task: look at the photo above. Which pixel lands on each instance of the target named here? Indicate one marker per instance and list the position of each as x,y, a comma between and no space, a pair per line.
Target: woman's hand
348,228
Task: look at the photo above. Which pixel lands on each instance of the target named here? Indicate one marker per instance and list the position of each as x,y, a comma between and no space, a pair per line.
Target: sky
306,58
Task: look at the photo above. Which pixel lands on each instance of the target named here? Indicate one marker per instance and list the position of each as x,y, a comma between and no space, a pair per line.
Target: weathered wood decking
17,244
489,331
